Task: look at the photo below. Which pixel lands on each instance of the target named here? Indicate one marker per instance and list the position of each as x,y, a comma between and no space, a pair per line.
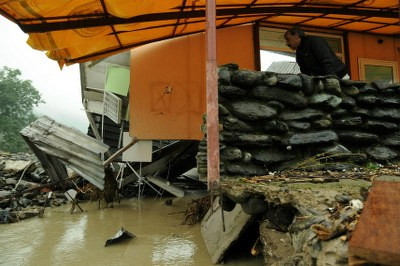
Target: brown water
78,239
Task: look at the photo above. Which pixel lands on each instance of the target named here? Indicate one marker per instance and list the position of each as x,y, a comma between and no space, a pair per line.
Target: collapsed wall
273,121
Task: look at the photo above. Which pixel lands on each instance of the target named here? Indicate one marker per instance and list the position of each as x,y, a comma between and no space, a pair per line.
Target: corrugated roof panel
284,67
74,149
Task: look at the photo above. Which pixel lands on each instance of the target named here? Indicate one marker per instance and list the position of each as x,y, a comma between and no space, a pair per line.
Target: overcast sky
59,88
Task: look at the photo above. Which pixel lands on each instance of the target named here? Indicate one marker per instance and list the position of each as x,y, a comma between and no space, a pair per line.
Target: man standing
314,55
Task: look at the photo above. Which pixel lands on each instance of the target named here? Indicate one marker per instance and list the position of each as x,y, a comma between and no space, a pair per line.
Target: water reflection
173,250
72,240
19,252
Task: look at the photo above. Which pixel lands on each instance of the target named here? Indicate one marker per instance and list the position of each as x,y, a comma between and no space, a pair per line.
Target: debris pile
305,216
273,121
20,175
302,221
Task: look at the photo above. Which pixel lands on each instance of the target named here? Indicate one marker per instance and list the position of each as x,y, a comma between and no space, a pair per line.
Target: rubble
317,219
23,192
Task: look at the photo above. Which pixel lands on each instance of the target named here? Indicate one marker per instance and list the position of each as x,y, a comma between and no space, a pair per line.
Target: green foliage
372,166
17,99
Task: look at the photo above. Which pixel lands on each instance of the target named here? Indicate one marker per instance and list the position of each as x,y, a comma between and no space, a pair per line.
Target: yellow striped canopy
82,30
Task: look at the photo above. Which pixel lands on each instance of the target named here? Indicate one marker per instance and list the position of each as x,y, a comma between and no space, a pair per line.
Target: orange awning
82,30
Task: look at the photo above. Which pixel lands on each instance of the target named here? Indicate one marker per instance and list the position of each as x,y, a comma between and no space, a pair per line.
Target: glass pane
373,73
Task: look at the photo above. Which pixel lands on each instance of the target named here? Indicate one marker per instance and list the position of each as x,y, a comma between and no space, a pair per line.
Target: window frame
341,55
362,62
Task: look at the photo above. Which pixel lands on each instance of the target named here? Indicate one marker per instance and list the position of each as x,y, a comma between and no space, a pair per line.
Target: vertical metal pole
212,98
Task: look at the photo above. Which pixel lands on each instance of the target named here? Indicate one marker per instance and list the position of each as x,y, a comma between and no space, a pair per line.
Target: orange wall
367,46
167,92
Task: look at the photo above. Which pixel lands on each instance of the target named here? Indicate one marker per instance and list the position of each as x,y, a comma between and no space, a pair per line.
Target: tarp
83,30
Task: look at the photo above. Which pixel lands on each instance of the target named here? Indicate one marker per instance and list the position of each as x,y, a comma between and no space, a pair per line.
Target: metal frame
105,19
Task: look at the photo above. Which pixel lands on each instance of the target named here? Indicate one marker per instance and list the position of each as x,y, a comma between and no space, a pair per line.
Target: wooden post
212,97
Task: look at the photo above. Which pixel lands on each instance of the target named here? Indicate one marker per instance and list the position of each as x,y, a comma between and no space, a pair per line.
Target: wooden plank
376,237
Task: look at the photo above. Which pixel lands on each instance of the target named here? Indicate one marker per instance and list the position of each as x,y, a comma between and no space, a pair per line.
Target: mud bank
300,223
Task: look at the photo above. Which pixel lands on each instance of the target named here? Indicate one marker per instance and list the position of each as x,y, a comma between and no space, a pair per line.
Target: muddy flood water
61,238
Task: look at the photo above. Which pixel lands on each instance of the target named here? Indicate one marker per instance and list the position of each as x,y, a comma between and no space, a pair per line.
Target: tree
17,99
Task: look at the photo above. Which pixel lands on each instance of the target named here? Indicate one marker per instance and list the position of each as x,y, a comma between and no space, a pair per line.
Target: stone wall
273,121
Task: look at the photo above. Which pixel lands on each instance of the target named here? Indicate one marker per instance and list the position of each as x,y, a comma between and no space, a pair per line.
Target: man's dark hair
296,30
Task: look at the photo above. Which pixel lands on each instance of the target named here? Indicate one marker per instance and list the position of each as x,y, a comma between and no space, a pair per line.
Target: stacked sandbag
273,121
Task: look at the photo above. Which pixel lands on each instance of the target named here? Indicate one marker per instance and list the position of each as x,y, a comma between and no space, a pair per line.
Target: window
372,70
272,40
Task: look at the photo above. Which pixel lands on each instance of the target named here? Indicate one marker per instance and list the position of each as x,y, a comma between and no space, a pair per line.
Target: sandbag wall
273,121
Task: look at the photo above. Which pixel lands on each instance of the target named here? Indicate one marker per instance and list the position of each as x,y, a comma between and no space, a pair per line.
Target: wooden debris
17,194
376,237
196,210
323,176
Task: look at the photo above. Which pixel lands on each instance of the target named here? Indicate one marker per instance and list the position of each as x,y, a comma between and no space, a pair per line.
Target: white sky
60,89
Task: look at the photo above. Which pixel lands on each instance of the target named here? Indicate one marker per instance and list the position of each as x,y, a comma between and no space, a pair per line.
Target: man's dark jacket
315,57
